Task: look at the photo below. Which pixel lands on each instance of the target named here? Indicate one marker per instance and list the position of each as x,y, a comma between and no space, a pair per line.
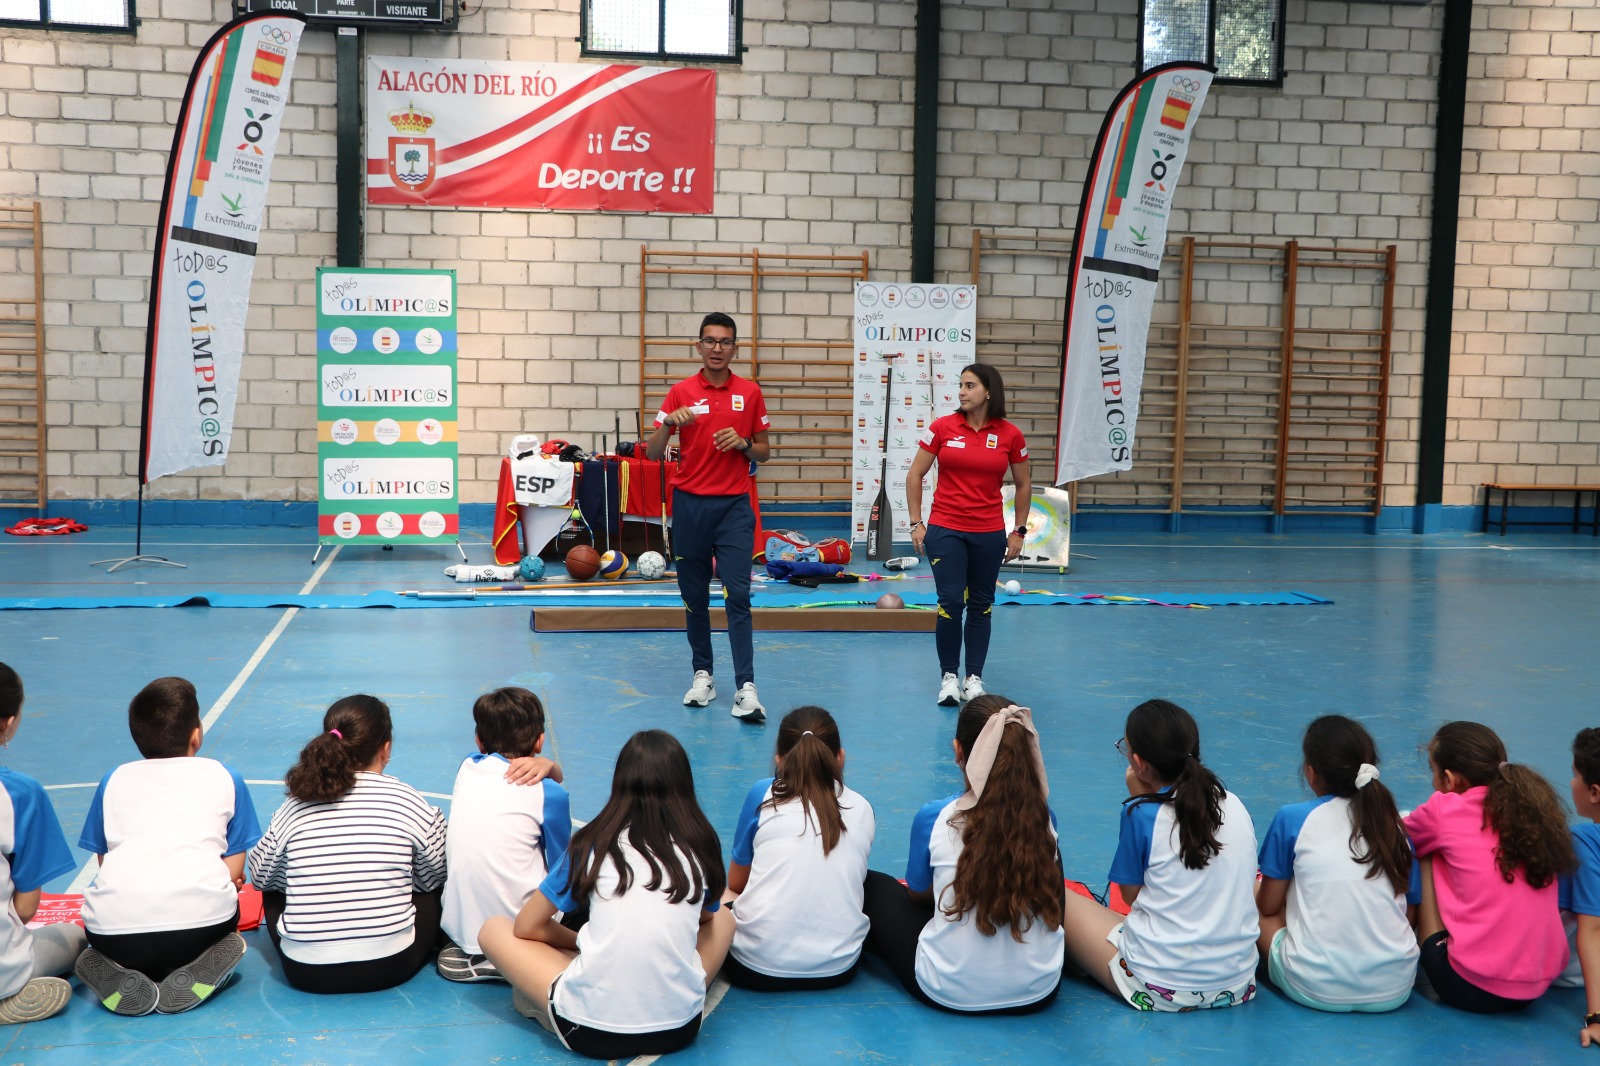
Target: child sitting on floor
1580,892
504,836
171,832
351,866
1186,863
32,851
1334,876
1492,841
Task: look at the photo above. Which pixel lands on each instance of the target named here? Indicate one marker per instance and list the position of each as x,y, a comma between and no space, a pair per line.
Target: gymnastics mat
602,598
829,619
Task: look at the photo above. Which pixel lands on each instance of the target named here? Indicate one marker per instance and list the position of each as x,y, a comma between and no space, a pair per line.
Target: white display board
911,341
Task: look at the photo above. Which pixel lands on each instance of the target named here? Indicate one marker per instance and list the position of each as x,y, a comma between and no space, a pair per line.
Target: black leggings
157,954
1455,990
897,922
371,975
741,976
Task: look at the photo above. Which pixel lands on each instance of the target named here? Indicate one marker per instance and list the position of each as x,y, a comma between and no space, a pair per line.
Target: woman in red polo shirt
965,537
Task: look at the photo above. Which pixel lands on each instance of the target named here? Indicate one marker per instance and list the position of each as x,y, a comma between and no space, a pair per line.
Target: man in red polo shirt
722,424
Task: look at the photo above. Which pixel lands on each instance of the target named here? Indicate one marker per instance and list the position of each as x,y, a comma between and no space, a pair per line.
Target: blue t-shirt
1580,890
33,850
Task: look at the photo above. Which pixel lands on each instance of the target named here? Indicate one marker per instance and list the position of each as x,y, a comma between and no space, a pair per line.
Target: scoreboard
418,14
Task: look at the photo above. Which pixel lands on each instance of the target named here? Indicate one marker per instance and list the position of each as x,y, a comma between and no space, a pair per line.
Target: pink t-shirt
1504,938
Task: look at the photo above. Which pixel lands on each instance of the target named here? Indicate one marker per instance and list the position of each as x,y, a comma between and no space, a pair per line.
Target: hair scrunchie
1366,774
1502,767
980,760
336,733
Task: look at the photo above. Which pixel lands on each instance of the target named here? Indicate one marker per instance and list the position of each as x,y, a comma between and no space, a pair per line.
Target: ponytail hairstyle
1009,872
354,730
1337,748
653,801
1166,737
1521,807
10,693
808,743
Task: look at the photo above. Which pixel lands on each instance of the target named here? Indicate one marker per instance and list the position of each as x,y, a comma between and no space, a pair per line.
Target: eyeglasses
1122,747
725,344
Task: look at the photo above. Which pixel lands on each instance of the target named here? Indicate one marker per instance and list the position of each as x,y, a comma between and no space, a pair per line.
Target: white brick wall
814,155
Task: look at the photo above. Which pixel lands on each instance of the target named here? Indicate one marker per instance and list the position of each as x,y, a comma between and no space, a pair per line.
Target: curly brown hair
1009,872
1522,809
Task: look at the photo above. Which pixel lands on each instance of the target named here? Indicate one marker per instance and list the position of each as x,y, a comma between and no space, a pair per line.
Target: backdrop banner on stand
929,331
205,245
1116,265
386,406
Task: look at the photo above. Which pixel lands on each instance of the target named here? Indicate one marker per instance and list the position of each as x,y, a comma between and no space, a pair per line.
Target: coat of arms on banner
412,158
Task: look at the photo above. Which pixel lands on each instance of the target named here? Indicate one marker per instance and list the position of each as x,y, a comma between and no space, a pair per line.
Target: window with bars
699,30
1243,39
114,16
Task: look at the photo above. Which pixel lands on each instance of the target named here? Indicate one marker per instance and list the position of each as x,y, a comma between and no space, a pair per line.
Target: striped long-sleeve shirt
348,869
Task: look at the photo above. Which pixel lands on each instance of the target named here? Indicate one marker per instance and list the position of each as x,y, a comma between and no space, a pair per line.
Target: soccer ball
652,565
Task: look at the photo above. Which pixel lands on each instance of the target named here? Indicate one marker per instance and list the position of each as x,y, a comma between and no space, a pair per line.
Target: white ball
651,565
1013,586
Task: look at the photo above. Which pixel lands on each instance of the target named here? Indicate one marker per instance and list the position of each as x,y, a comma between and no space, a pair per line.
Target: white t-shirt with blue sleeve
1347,940
1192,930
957,966
637,970
164,826
800,913
33,850
502,841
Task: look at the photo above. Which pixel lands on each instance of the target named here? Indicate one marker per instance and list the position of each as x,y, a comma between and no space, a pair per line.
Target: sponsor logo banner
386,406
1116,265
930,331
564,136
215,192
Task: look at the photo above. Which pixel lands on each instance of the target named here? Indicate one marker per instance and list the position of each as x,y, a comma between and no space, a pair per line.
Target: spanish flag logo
1175,112
268,65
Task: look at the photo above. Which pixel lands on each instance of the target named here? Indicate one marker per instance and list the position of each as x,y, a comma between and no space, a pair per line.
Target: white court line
90,868
266,645
1342,547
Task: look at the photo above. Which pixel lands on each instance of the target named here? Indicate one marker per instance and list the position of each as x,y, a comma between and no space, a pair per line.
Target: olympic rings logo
279,35
1188,85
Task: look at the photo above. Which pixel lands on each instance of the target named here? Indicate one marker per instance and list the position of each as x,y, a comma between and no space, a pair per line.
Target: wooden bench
1506,489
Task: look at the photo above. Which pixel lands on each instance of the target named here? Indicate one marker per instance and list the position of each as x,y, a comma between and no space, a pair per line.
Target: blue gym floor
1498,629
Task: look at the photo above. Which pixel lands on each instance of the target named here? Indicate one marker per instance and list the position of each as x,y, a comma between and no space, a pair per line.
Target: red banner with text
563,136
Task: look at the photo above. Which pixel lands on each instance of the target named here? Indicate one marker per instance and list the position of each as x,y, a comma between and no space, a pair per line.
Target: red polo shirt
972,467
702,469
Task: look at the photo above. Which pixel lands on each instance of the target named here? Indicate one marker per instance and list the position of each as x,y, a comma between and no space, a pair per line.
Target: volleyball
652,565
583,562
531,568
613,565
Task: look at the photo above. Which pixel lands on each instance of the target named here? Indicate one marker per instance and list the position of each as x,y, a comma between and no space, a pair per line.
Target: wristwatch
1020,531
1590,1019
747,445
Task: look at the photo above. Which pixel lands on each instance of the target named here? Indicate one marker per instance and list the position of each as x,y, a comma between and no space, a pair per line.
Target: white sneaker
949,690
746,707
971,688
701,692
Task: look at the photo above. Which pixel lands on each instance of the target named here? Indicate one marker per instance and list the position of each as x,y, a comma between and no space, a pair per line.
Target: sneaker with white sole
456,964
189,986
971,688
702,691
40,998
119,990
747,706
949,690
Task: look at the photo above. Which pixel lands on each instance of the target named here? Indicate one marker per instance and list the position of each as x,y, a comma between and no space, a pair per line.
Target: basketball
890,602
531,568
652,565
613,565
583,562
